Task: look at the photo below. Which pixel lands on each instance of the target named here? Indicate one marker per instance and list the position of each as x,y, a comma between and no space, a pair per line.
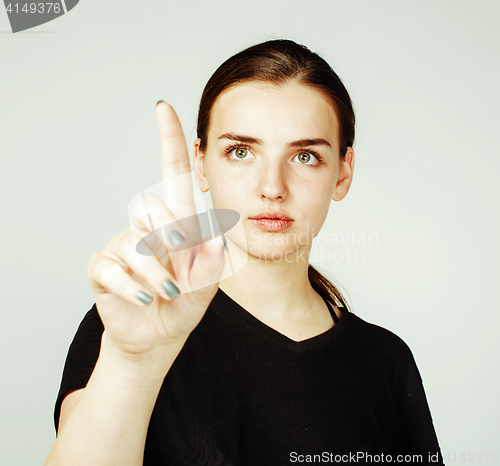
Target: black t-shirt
242,394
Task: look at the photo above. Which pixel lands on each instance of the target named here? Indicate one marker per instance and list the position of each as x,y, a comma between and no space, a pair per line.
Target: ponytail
325,288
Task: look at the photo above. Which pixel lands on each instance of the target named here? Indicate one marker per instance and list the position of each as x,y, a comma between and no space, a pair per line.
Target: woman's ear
199,167
345,176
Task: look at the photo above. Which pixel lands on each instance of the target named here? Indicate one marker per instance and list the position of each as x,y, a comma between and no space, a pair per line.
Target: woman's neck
279,294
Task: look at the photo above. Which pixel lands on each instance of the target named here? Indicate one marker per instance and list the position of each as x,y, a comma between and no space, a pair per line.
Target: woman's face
274,150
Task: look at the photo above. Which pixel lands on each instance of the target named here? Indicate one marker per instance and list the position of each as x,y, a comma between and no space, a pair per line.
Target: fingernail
170,289
145,298
175,238
159,102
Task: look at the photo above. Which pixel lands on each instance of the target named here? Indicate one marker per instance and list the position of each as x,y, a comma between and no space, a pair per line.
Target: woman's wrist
136,370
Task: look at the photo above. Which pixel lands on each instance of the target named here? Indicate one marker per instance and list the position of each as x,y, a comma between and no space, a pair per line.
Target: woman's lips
272,224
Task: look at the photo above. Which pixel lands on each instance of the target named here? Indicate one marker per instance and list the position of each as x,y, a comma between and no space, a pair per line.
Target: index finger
175,167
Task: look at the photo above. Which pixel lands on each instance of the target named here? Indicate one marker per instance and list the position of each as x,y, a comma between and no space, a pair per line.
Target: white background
78,139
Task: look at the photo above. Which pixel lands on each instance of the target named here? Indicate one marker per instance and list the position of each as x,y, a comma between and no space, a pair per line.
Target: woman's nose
273,181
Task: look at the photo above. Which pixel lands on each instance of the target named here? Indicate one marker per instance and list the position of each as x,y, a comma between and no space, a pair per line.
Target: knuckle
111,275
126,240
120,241
93,265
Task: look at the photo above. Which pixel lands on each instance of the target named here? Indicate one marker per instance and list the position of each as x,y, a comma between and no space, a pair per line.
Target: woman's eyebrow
252,140
241,138
309,142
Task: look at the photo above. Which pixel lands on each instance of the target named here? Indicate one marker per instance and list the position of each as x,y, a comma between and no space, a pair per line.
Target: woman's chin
274,255
260,250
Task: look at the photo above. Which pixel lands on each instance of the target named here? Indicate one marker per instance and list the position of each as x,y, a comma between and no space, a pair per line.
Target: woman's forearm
109,423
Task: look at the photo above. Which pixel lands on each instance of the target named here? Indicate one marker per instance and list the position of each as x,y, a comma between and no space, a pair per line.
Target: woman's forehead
263,110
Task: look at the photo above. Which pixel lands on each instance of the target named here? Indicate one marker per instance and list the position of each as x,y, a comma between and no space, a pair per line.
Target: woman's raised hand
176,287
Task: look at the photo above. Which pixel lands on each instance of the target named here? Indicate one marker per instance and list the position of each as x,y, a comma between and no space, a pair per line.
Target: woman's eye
244,153
240,153
306,158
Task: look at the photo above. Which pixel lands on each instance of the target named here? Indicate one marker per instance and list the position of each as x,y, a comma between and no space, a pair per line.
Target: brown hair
278,62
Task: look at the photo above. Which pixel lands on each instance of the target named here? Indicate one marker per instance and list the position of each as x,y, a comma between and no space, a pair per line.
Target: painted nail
170,289
159,102
175,238
145,298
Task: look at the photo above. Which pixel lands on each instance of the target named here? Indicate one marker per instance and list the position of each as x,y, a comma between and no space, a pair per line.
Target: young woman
181,363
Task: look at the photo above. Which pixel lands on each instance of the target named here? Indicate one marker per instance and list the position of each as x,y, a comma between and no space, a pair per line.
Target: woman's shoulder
377,337
383,348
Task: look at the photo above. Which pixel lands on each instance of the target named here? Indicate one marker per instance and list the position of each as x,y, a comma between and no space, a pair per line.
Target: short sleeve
81,359
420,428
418,436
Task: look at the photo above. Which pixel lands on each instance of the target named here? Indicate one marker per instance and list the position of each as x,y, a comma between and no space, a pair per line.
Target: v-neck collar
271,334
